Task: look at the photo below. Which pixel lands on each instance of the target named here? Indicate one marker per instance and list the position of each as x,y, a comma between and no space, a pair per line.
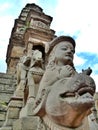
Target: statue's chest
37,74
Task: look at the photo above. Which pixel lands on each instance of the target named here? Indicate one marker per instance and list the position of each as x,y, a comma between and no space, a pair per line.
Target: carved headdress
59,39
51,60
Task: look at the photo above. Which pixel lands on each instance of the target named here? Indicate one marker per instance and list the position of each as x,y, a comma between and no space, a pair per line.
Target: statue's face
37,55
64,52
70,100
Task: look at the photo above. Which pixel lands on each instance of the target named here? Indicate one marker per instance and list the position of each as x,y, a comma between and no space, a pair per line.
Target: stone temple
28,97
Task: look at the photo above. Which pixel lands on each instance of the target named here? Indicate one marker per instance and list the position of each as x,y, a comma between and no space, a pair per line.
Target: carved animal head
70,100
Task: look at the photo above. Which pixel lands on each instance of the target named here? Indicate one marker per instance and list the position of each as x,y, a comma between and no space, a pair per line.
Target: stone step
6,128
7,86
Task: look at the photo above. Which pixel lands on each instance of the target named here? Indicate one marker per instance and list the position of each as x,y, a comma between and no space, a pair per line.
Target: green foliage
25,26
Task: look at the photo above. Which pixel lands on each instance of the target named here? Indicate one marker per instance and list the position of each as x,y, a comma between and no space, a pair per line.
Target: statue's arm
27,61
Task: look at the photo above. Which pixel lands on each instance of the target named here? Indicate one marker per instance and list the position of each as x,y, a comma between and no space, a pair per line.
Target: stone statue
65,97
96,106
22,70
35,74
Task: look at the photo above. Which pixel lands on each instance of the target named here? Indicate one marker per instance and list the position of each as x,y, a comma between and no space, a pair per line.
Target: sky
76,18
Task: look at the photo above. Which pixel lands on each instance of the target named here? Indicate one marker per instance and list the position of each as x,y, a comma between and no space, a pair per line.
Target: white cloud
78,15
24,2
72,16
4,7
87,41
6,24
78,60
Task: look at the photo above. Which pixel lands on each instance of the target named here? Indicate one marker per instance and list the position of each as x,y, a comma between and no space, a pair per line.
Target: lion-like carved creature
70,100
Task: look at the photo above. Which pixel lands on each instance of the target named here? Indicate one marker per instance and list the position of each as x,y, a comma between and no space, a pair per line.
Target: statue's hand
27,61
67,71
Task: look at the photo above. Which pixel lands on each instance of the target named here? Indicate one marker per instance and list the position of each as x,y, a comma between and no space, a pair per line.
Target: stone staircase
7,87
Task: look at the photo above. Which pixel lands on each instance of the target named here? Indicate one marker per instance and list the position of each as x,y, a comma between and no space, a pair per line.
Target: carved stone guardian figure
35,74
22,70
65,97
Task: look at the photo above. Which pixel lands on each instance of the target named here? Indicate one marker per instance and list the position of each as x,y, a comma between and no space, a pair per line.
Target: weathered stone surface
7,87
41,33
50,93
8,123
1,123
13,113
2,116
16,102
26,110
65,96
13,110
6,128
28,123
32,22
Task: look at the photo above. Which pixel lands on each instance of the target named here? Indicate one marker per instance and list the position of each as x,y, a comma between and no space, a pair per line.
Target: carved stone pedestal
2,117
27,110
13,110
6,128
29,123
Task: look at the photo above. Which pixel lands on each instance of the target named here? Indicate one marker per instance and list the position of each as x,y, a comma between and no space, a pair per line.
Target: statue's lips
68,55
80,92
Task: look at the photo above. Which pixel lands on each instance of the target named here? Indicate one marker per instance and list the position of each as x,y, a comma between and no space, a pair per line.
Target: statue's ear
46,47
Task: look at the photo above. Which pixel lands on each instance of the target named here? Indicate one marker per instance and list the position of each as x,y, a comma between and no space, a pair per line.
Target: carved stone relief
38,24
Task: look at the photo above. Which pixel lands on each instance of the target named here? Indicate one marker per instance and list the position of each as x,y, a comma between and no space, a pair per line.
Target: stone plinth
27,110
28,123
13,110
7,87
6,128
2,117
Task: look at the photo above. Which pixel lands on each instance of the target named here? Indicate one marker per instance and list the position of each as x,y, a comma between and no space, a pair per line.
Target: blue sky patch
91,60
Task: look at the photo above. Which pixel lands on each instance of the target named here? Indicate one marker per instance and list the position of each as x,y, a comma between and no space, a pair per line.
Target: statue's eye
64,48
